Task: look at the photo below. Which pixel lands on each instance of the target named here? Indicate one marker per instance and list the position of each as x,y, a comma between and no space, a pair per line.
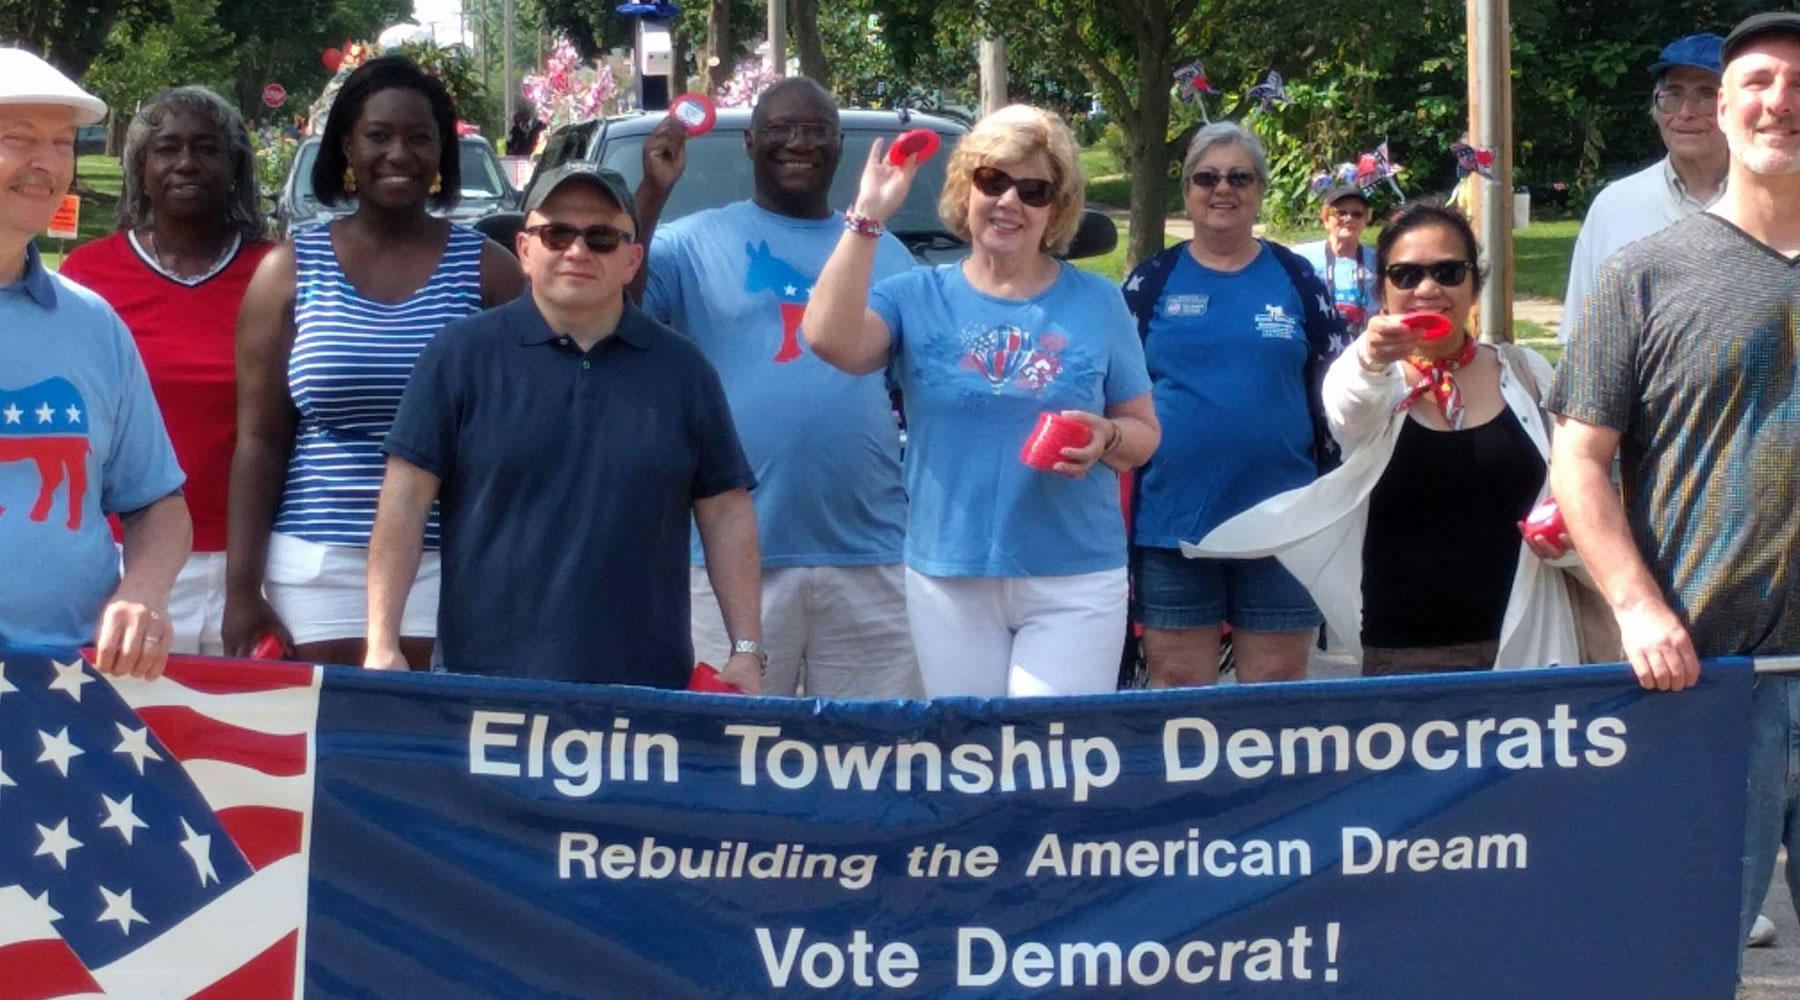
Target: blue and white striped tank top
350,362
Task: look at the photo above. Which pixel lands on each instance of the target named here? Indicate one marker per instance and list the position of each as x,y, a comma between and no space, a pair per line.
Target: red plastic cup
1353,314
695,112
1544,523
1432,326
920,142
706,678
268,648
1054,432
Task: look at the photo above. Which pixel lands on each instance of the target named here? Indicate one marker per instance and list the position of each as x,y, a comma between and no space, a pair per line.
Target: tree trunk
992,59
718,46
803,24
1144,133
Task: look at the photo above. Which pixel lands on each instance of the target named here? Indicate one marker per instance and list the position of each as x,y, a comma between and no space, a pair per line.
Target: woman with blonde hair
1015,575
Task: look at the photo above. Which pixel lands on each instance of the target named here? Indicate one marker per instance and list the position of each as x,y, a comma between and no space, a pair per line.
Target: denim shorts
1172,591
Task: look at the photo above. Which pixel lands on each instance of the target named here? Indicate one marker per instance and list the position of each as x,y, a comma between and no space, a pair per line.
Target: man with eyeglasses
1686,181
1343,263
567,438
1684,365
831,509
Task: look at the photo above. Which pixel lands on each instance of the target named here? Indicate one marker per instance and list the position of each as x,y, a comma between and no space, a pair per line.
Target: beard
1761,159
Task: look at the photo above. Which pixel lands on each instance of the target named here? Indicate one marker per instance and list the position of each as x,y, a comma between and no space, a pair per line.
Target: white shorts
197,605
830,631
321,592
1027,635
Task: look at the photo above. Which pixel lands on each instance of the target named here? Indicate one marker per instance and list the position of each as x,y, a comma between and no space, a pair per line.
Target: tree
140,59
803,26
72,34
274,46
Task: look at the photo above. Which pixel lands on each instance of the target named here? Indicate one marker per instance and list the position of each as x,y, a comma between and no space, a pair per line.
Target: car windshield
718,173
481,177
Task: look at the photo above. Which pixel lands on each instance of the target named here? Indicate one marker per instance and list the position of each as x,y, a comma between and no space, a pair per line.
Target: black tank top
1443,538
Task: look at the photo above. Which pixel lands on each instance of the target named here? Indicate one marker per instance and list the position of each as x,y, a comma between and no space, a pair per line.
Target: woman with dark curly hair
329,332
191,233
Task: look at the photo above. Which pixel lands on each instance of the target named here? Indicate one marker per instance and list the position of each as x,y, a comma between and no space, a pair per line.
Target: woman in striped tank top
330,328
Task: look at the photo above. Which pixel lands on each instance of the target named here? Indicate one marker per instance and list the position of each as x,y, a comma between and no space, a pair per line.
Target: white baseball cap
27,79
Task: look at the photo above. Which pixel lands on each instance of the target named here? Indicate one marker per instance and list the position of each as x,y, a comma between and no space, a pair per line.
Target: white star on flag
136,742
5,687
74,415
118,908
1136,282
44,413
69,678
56,842
58,750
6,782
120,817
13,413
200,849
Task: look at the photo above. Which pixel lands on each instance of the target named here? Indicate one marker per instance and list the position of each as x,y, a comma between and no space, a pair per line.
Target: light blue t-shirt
1351,280
1227,352
975,371
80,438
824,444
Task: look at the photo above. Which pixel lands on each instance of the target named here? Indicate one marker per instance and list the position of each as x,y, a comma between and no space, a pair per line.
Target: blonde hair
1012,134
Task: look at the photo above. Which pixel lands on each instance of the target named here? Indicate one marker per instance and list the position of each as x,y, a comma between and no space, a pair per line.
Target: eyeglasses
1446,273
560,236
782,133
1669,100
994,182
1238,179
1353,215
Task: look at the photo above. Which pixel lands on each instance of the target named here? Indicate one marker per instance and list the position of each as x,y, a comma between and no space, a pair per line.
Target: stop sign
274,95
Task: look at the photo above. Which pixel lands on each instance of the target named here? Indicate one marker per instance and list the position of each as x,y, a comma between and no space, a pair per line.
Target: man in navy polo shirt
568,437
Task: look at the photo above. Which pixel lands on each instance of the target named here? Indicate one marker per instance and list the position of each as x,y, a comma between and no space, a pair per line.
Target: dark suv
718,173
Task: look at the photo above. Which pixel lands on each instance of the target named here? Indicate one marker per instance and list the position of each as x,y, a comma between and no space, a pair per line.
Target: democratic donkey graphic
47,423
792,288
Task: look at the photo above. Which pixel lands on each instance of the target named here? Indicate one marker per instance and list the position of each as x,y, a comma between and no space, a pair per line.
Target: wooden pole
778,37
1490,127
993,75
506,64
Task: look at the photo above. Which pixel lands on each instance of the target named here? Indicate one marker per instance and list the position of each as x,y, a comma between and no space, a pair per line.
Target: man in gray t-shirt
1684,363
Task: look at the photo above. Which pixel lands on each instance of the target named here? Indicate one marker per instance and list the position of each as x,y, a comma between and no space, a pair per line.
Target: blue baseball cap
1699,51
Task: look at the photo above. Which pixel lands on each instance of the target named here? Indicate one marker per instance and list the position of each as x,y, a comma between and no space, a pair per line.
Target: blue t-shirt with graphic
1227,355
976,370
824,444
80,438
1351,280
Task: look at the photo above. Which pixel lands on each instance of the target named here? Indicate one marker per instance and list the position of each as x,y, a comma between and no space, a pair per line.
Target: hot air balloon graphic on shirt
1011,355
45,423
792,288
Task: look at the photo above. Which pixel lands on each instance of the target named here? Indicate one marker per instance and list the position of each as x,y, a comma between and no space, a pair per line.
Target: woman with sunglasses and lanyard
1413,546
1238,332
1345,266
330,328
1015,576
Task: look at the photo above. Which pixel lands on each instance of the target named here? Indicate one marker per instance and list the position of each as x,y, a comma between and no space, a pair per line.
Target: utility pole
512,88
778,37
992,59
1490,127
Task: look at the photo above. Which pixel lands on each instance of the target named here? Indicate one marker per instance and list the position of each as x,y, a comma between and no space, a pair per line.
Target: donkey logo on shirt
46,423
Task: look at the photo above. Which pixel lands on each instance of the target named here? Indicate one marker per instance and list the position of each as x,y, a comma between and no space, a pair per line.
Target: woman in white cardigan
1412,548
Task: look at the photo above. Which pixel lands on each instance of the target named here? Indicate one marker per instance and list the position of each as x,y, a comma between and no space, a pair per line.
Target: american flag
151,835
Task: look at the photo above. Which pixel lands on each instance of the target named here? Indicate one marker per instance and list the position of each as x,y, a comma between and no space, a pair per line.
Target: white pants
321,592
197,605
993,636
830,631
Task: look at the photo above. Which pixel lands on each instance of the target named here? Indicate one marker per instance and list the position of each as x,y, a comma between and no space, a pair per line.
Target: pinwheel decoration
1473,159
1269,92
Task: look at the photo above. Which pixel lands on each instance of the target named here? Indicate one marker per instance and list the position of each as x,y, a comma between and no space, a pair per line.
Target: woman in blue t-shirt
1237,333
1016,579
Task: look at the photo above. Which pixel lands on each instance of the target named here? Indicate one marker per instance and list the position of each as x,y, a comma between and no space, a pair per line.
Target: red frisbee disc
1431,325
706,678
920,142
695,112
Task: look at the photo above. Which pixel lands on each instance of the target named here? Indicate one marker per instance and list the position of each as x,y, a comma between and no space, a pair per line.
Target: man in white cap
80,435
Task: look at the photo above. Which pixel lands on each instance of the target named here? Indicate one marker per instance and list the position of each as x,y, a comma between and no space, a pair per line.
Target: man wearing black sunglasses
567,439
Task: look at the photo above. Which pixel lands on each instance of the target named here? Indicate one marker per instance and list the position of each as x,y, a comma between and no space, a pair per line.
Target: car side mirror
1096,235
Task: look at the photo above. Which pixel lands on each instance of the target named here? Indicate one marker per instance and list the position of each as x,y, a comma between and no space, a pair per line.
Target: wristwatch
752,647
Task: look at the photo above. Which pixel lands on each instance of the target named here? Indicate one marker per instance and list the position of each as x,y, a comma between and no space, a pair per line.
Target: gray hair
1219,133
243,213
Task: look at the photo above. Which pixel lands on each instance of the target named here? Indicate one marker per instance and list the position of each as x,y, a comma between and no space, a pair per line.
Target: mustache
37,177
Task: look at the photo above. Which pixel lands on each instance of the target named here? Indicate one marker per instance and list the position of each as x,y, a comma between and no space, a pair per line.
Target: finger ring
152,638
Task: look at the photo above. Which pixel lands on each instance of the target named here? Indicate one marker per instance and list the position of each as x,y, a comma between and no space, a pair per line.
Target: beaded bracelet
861,224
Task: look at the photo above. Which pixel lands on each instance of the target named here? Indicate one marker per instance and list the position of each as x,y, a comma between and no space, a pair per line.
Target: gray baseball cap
610,183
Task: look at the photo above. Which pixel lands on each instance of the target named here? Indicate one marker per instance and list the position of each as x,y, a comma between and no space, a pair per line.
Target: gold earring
437,183
349,181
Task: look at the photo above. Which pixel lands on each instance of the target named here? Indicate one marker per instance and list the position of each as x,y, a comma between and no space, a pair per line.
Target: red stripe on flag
268,976
264,833
212,676
36,970
192,736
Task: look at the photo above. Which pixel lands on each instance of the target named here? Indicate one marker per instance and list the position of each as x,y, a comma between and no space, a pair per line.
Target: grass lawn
98,180
1541,255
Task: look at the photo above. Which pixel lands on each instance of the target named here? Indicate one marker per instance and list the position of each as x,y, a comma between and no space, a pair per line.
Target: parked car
718,173
485,188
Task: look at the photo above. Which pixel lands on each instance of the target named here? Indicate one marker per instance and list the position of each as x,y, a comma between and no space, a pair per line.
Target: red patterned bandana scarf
1439,378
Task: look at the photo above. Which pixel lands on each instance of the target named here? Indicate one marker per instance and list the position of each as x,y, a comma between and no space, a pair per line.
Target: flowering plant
750,79
570,90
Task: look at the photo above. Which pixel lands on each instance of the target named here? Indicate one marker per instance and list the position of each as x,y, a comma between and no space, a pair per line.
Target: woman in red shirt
191,232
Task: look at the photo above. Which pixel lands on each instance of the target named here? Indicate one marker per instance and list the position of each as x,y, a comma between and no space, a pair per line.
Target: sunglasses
1446,273
560,236
1353,215
994,182
1238,179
